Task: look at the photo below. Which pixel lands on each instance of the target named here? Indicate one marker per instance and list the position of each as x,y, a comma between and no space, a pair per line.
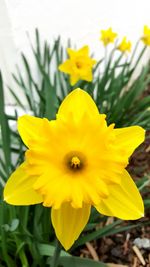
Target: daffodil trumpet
75,162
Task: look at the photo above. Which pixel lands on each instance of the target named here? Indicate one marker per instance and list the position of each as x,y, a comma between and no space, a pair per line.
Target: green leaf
48,250
18,101
14,225
51,99
5,132
79,262
147,203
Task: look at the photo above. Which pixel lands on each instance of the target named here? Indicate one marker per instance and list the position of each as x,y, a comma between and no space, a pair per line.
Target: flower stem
106,55
55,258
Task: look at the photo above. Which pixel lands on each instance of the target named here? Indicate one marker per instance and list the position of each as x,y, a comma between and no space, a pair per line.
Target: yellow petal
71,52
146,30
19,188
124,202
69,222
129,138
88,76
29,127
76,104
84,51
74,78
66,66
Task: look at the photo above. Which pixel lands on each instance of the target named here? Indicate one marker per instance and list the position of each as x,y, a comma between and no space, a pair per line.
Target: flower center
79,65
75,163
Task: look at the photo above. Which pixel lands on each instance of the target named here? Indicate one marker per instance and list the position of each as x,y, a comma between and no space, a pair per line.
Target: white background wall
81,20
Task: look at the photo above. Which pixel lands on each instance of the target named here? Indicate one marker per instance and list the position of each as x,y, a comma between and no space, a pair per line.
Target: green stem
134,51
106,55
54,262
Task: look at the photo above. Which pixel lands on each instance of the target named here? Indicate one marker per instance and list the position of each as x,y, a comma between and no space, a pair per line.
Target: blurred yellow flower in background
125,46
79,65
73,163
146,35
107,36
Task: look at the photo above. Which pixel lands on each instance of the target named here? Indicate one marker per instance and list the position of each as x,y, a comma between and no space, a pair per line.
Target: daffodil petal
76,104
74,78
129,138
69,222
84,50
19,188
71,52
66,67
88,76
29,127
124,202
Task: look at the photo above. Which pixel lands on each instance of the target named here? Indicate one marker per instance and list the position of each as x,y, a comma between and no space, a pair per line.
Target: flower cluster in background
108,36
79,65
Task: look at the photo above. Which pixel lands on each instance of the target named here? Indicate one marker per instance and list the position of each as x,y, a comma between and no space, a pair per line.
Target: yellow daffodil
146,35
107,36
124,46
79,65
73,163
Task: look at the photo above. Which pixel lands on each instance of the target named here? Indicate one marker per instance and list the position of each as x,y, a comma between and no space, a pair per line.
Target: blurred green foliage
26,234
113,88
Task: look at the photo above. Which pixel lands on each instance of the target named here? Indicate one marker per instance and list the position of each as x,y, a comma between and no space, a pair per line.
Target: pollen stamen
78,64
75,162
